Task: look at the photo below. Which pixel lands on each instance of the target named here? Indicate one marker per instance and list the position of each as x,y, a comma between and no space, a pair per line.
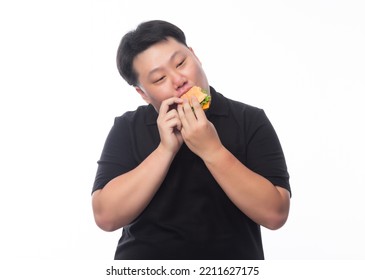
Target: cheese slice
199,94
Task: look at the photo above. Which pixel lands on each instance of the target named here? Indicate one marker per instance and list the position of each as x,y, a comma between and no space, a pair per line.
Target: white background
301,61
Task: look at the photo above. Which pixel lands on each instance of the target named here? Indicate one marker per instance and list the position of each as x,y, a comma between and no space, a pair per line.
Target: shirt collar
151,115
218,106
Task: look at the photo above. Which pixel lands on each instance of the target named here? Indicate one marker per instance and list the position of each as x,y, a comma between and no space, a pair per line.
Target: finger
171,114
167,103
174,124
178,125
199,112
181,112
189,111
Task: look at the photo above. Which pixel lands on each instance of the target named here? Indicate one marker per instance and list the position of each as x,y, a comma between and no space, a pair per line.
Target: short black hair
136,41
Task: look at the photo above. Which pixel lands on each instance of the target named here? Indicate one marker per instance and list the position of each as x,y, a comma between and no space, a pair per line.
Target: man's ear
144,96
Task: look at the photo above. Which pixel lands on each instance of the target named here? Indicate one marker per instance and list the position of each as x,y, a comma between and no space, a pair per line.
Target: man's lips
181,91
184,89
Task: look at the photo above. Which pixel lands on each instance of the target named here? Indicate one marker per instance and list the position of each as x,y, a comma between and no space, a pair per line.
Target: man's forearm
253,194
126,196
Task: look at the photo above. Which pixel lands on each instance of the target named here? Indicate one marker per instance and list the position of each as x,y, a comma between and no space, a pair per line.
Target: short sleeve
265,155
117,156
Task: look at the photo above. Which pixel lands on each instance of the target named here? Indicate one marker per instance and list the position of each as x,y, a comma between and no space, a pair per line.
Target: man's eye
159,79
181,63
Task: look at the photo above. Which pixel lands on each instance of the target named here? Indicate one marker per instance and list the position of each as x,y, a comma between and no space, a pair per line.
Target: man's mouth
184,89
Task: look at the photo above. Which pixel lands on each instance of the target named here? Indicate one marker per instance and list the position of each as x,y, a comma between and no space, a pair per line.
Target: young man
184,183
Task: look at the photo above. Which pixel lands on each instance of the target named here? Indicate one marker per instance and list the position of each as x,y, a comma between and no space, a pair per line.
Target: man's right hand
169,125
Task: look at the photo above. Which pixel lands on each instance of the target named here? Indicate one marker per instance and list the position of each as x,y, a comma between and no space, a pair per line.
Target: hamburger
200,94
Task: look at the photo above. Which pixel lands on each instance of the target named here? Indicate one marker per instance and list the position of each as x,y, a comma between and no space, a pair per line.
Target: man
184,183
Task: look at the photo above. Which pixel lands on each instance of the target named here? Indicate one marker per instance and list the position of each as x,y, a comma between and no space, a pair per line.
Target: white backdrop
301,61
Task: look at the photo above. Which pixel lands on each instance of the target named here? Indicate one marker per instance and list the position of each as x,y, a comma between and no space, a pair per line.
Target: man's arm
126,196
253,194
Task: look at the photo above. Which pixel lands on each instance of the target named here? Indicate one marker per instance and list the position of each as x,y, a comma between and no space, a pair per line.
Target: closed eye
181,63
159,80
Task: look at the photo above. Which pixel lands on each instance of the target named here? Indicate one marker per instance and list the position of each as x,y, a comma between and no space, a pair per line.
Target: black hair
136,41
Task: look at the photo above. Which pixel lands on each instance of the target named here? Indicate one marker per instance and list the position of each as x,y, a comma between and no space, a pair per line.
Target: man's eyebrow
176,53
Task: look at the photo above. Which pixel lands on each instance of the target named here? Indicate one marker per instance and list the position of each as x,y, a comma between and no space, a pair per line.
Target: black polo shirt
190,217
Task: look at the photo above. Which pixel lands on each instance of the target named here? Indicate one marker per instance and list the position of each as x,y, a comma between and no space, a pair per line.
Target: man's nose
178,80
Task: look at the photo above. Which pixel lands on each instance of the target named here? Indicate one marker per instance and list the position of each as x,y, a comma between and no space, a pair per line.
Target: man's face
167,69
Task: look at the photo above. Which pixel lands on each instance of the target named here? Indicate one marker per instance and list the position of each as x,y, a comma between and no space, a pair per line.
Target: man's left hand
198,132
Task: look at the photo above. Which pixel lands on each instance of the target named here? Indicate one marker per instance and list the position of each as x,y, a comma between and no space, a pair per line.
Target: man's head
136,41
156,60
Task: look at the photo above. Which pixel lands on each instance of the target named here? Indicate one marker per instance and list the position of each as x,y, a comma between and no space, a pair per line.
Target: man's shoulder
140,114
237,106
